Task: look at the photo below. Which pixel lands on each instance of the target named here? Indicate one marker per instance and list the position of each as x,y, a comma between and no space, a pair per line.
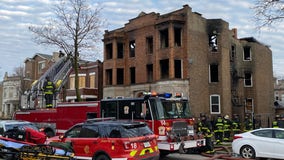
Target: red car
112,139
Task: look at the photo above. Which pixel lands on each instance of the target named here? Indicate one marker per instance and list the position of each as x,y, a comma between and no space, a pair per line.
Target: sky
16,16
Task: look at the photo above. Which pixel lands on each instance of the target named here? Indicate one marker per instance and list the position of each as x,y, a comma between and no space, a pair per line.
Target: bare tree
268,12
75,28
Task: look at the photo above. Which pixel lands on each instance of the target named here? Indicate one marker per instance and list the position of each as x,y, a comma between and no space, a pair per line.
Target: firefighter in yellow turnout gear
219,129
205,128
48,88
227,128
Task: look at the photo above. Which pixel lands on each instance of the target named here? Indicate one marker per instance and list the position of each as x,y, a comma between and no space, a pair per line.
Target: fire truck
169,117
57,120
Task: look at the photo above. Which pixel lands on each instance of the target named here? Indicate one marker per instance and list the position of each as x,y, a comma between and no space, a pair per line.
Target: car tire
247,152
101,157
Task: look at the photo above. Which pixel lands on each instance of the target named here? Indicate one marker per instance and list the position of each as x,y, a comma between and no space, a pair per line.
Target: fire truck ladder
57,73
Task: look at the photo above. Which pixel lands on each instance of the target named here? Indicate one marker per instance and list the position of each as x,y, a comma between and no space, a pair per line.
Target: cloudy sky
16,15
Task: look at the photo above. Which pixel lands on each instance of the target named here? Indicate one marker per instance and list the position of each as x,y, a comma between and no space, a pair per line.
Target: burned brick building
184,52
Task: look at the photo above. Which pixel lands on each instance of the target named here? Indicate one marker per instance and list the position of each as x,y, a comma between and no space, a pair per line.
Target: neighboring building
10,96
183,52
279,96
1,98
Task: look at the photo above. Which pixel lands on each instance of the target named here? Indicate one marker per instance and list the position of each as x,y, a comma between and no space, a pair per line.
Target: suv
111,139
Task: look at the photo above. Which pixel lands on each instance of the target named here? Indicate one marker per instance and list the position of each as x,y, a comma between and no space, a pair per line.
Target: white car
264,143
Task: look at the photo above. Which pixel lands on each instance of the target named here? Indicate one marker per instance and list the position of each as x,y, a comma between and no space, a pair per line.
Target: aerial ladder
58,73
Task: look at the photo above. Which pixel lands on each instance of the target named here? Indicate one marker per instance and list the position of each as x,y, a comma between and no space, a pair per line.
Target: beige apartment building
184,52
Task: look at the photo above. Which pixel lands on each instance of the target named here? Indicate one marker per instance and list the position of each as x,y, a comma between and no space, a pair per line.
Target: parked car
111,139
263,143
22,130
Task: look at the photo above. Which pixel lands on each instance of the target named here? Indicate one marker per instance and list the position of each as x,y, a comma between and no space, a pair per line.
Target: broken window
213,73
249,105
149,45
247,54
164,38
132,75
132,48
109,51
215,104
248,79
164,66
178,69
177,32
108,76
233,53
149,72
119,50
119,76
213,43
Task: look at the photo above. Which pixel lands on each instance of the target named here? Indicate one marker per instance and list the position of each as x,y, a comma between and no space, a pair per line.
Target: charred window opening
132,48
213,43
120,76
119,50
164,65
247,54
177,32
249,105
248,79
178,69
164,38
149,72
150,45
109,77
109,51
233,53
214,73
132,75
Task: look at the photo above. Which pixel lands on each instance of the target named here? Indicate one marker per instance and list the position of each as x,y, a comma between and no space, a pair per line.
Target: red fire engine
57,120
169,118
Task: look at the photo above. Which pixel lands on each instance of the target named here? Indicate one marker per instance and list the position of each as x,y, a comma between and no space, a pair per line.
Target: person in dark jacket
204,127
48,88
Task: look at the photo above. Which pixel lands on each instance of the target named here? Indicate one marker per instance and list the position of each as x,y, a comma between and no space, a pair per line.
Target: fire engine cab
169,117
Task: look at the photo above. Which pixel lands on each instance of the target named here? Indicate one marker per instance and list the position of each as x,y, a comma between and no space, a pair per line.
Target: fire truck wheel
101,157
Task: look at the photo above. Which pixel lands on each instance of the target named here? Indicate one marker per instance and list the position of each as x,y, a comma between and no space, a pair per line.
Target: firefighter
227,128
205,128
236,124
275,122
219,129
48,88
248,125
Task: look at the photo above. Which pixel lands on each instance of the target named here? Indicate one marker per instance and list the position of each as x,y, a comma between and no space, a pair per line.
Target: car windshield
135,131
175,109
20,126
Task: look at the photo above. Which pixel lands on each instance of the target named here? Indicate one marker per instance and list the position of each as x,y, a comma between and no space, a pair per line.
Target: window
109,77
248,80
249,105
149,72
247,54
132,48
177,32
263,133
109,51
164,38
213,73
215,104
132,75
74,132
213,43
164,66
120,76
82,80
149,45
93,80
72,82
119,50
89,131
41,66
178,69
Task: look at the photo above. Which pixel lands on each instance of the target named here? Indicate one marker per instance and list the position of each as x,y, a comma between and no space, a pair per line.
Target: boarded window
92,80
109,51
119,50
164,66
164,38
213,73
120,76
